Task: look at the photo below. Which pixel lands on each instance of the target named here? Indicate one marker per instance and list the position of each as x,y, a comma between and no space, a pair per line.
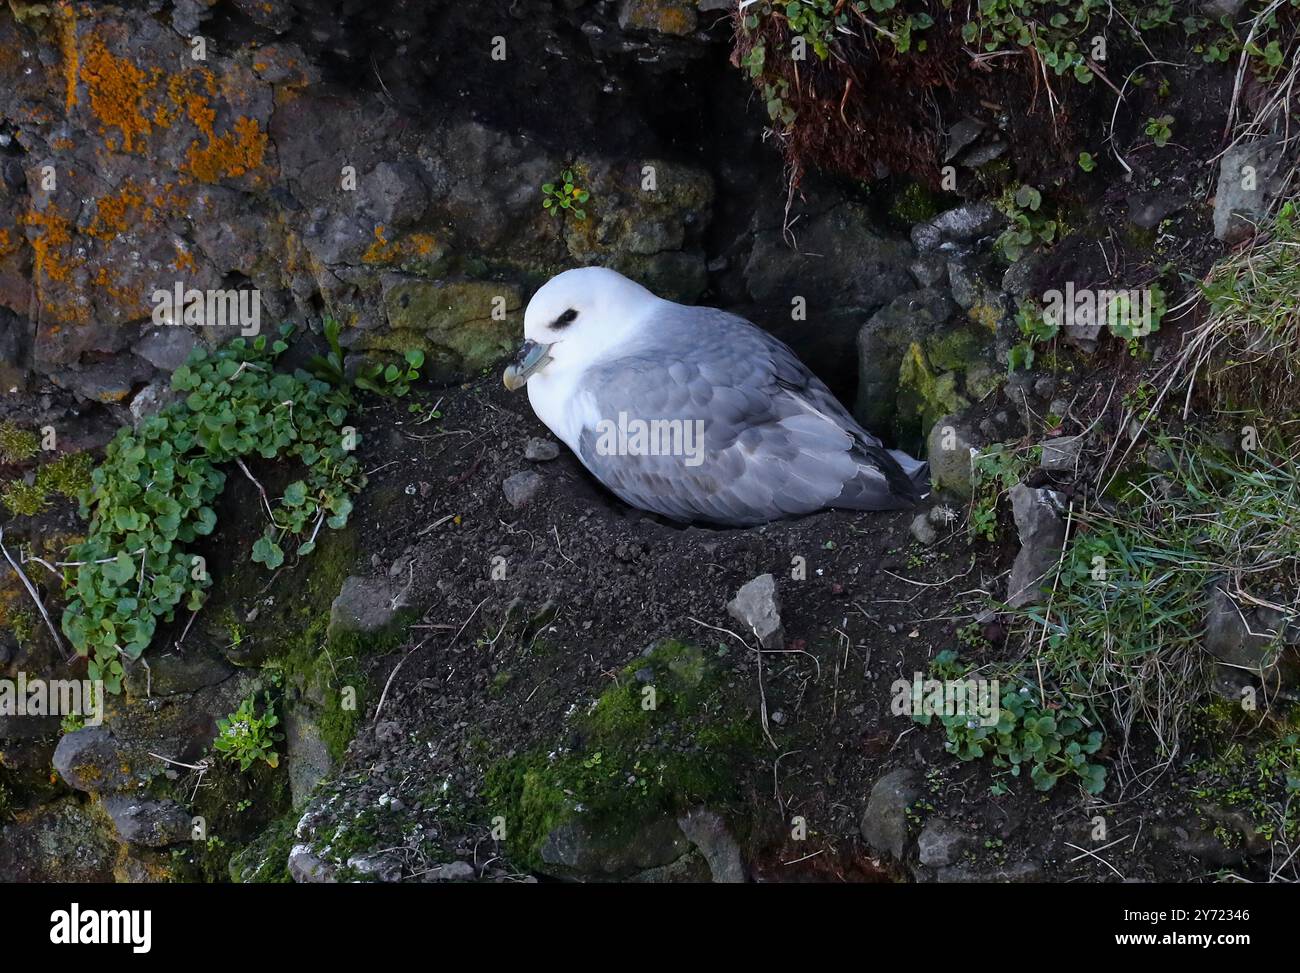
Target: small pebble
541,450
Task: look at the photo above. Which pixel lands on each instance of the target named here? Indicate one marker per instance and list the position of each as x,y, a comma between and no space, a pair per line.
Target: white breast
560,403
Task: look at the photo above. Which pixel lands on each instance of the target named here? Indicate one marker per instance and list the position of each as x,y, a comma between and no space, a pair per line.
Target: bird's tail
916,470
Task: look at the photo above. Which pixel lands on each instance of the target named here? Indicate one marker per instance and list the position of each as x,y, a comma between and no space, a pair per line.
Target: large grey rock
166,348
757,606
1042,532
958,230
884,822
1250,176
1247,638
584,851
150,823
949,448
90,759
884,339
306,867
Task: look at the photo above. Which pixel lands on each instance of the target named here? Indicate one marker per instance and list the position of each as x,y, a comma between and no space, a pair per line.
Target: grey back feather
776,442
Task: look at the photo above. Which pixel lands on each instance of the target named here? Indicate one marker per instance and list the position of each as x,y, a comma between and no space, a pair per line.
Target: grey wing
760,437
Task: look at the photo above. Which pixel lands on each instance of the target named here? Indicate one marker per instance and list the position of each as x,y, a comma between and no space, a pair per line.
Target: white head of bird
573,320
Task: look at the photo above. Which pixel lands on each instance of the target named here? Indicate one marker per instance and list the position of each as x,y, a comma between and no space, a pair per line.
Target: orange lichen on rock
8,244
65,22
184,261
119,93
128,299
50,246
236,153
54,263
413,246
112,212
185,94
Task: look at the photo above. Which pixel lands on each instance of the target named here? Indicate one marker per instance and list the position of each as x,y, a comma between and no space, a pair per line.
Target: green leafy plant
392,380
1053,741
565,196
245,737
1029,224
994,471
152,496
1086,162
1161,130
1035,329
386,380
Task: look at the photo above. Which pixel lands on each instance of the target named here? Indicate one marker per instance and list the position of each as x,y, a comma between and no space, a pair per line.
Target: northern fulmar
694,413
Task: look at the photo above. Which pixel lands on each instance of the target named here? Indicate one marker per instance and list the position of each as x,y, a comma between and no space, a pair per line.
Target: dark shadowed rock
707,830
586,852
170,673
884,822
149,823
940,843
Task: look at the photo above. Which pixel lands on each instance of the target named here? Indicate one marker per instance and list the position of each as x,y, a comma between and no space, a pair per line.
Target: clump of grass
1248,345
1123,626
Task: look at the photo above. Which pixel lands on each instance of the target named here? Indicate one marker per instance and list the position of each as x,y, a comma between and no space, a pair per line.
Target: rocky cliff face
383,165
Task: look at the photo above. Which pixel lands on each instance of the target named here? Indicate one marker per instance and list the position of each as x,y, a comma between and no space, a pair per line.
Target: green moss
24,499
68,476
925,392
265,860
660,739
915,204
17,445
954,350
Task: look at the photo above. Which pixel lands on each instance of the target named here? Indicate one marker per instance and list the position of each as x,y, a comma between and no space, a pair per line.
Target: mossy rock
660,740
925,392
462,326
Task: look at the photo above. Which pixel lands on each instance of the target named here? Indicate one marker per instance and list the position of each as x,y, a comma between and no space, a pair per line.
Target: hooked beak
532,357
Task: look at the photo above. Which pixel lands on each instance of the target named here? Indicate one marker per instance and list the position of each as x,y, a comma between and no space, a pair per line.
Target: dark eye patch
564,320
